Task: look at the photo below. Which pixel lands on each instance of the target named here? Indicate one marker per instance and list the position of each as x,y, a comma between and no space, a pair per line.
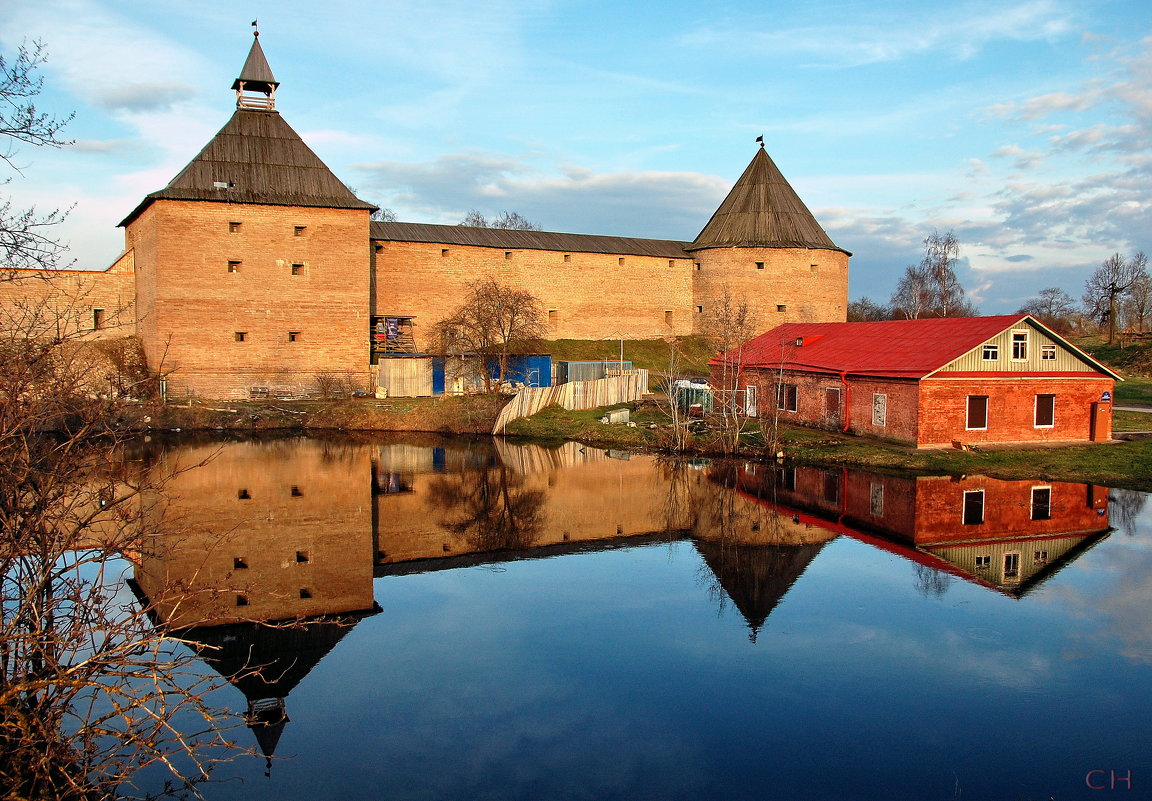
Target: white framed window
983,562
1011,565
990,353
876,499
973,513
977,415
1019,346
1047,353
786,397
1041,503
1039,557
1045,411
879,409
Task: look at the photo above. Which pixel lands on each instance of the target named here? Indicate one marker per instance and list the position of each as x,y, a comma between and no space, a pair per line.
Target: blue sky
1024,127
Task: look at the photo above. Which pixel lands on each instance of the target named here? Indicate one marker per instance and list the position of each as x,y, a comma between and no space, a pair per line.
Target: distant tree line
1117,296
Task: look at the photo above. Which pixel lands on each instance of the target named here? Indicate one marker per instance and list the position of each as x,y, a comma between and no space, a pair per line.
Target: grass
1119,464
647,354
1131,421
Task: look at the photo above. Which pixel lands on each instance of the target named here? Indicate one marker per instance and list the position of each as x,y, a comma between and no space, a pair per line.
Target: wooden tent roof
763,210
256,74
257,158
508,239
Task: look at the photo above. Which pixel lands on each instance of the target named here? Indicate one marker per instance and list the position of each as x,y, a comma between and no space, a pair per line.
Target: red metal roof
895,348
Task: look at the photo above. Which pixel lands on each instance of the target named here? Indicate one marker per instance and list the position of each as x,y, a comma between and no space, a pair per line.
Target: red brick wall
1007,509
1011,405
811,285
592,294
856,395
193,306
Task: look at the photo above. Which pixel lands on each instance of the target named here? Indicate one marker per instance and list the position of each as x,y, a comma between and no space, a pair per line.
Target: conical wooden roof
763,210
256,75
257,158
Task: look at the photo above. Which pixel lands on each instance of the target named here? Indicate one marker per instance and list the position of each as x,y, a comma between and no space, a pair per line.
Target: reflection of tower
266,662
756,577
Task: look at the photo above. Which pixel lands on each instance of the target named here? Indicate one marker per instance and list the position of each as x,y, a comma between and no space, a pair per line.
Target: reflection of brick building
1008,535
263,531
928,382
257,267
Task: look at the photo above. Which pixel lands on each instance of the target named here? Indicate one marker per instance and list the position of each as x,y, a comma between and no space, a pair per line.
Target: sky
1024,127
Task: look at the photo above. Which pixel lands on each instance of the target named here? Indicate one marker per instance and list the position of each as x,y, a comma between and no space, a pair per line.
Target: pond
482,620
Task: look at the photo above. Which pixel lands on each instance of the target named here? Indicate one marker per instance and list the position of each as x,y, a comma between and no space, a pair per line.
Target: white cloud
959,31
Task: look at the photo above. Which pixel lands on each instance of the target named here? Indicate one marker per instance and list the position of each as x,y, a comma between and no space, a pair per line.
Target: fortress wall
588,295
795,284
313,282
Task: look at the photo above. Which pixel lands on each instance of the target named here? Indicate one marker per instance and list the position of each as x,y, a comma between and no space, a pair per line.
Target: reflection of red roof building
926,382
1005,535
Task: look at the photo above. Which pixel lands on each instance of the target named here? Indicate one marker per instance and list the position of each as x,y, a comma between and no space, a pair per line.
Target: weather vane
759,138
256,25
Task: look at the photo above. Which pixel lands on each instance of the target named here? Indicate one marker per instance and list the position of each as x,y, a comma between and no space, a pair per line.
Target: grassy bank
1118,464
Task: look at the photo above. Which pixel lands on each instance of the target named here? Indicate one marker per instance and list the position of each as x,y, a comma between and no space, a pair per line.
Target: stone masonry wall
585,295
794,285
240,295
1011,409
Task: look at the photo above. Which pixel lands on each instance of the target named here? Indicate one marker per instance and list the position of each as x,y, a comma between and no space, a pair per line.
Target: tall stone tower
763,245
252,263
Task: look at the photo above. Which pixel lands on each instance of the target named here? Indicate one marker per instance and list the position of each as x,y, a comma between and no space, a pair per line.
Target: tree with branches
495,321
1054,307
931,288
730,326
26,241
507,220
1109,284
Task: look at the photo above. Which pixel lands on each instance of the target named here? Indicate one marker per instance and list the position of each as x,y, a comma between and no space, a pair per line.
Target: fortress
257,267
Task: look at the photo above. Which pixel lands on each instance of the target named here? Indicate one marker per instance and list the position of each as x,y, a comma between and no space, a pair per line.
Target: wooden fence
624,388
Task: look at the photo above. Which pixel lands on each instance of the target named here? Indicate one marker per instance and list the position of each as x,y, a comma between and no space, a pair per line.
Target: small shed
589,371
404,376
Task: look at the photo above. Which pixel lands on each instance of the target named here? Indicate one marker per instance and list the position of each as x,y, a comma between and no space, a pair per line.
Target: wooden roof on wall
264,161
763,210
507,239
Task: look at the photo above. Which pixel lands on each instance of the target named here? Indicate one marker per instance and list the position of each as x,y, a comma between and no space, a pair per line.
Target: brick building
257,267
931,382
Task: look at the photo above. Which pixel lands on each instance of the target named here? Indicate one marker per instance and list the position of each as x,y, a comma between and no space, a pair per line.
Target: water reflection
268,552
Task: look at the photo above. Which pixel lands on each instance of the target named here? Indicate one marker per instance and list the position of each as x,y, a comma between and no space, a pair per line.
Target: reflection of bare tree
931,583
1125,506
491,508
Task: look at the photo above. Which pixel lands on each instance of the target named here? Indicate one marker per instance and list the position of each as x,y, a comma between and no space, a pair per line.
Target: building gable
1038,351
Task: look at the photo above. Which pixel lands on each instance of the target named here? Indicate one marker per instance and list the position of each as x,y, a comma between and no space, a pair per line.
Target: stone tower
764,245
252,265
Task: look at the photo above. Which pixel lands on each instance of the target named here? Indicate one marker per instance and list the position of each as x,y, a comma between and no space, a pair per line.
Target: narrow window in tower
241,336
699,309
667,317
781,307
759,265
298,269
97,319
295,336
233,266
233,227
443,252
298,230
620,261
553,317
305,593
567,257
697,265
507,255
379,248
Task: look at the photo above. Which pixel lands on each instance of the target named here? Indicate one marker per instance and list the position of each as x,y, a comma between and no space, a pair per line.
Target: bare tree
866,310
25,234
912,298
729,328
1138,304
1054,307
1112,281
509,220
932,287
382,215
494,322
